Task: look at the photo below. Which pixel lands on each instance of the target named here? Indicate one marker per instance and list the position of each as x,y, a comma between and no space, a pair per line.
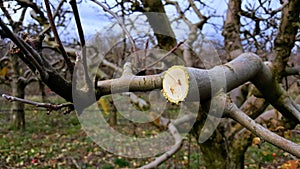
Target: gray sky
93,18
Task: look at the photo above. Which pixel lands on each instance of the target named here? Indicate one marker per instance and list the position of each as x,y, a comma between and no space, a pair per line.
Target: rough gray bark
285,39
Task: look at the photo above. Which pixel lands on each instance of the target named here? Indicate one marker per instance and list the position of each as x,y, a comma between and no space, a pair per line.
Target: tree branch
82,40
49,106
39,66
119,22
235,113
247,67
164,56
32,5
165,156
32,58
55,14
56,36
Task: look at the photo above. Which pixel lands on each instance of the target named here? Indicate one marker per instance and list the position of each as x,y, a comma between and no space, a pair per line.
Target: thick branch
159,22
247,67
231,30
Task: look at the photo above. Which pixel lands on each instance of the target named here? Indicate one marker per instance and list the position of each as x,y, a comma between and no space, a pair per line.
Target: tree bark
285,39
18,90
157,18
223,152
231,31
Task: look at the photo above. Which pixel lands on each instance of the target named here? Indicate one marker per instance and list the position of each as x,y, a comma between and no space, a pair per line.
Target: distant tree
32,33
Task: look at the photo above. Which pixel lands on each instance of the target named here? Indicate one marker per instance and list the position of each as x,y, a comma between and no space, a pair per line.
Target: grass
57,141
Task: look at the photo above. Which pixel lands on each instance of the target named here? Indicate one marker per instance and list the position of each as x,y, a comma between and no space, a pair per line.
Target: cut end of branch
176,84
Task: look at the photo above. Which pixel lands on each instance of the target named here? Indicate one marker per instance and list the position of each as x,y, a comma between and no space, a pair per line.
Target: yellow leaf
106,104
3,71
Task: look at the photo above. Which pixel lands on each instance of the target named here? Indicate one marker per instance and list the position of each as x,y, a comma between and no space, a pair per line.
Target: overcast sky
94,19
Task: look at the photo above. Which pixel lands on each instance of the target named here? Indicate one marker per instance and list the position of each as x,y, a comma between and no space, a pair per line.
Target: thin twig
119,22
56,36
6,13
49,106
161,58
75,163
32,58
164,157
197,11
55,14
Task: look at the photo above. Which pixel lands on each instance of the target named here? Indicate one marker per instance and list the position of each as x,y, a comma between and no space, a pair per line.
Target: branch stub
175,84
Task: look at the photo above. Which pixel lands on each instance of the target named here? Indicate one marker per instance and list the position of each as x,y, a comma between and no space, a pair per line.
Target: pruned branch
247,67
236,73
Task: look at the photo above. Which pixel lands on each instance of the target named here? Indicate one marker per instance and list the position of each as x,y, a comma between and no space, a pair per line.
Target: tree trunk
43,93
285,39
18,90
222,152
231,30
159,21
17,109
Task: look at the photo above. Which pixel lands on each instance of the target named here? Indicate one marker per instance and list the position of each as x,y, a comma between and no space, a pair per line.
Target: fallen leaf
291,164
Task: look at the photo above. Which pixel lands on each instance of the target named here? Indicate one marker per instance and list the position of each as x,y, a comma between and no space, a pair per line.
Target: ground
57,141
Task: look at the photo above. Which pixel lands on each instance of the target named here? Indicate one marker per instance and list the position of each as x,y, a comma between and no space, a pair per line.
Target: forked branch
57,38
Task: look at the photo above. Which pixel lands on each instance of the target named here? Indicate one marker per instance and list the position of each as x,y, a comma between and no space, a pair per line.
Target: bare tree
32,34
229,141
